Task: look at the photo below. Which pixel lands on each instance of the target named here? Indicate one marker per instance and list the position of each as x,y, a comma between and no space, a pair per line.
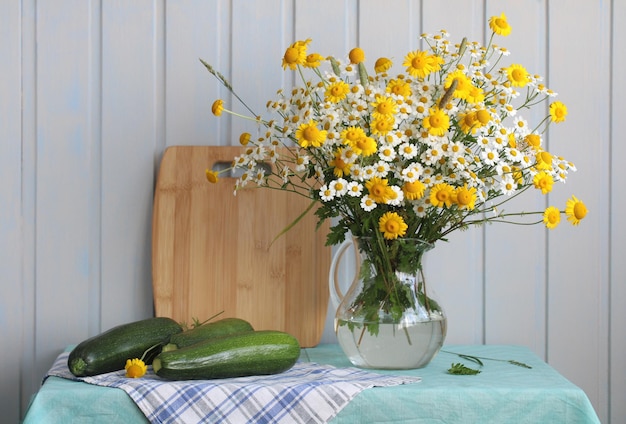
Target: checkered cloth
307,393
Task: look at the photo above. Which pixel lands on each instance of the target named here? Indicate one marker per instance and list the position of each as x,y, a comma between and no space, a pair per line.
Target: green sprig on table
460,369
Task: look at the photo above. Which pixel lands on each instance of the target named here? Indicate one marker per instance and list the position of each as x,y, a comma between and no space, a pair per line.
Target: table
501,393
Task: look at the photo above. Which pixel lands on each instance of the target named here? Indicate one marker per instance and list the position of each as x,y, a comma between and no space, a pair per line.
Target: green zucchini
109,351
237,355
223,327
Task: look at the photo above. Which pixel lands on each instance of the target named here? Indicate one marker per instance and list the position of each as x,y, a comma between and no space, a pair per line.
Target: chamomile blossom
326,193
367,203
386,152
354,189
339,186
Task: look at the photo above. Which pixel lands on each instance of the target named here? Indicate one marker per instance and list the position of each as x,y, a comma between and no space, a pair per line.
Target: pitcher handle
336,296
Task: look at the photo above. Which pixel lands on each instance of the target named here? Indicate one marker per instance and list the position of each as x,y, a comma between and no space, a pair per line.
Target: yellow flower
517,75
383,106
309,135
341,167
475,94
558,111
218,107
382,65
379,190
356,55
392,225
382,125
551,217
575,210
135,368
295,54
543,161
469,122
414,190
399,87
313,60
337,91
463,84
212,176
365,146
465,197
441,195
244,138
419,63
543,181
352,134
533,140
483,116
500,25
437,122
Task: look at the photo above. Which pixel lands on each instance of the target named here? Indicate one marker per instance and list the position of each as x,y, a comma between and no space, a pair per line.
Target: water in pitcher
395,346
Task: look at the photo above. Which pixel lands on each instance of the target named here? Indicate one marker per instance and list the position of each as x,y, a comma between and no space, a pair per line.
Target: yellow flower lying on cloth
135,368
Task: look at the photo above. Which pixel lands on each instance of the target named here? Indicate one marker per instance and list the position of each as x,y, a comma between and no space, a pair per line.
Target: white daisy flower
369,172
507,185
349,69
420,207
381,169
326,193
302,161
386,152
367,203
411,173
354,189
339,186
407,150
513,154
490,156
357,172
521,126
432,155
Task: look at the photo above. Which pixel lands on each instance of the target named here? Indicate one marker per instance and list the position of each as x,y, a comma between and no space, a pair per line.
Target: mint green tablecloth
501,393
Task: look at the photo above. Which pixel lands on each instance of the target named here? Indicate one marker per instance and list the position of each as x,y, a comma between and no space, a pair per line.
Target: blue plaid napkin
307,393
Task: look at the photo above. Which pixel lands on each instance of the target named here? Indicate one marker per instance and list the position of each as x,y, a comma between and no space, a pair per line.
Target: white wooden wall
92,91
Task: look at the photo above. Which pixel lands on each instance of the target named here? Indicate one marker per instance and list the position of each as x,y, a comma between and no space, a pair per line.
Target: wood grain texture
212,252
11,314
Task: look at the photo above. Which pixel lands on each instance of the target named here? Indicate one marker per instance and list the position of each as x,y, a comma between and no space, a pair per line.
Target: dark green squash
211,330
241,354
109,351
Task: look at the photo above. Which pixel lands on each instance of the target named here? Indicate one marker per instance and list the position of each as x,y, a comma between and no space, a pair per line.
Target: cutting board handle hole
222,166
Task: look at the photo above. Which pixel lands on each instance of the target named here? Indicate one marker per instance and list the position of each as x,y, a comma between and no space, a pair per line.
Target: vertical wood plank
337,35
259,40
131,116
64,158
617,229
196,30
578,259
10,207
395,44
30,380
515,309
455,267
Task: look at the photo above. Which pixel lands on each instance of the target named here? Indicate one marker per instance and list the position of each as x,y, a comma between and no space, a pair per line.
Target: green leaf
295,221
460,369
519,364
471,358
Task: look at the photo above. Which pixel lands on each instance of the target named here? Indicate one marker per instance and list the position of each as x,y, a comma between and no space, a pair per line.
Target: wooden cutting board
211,249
